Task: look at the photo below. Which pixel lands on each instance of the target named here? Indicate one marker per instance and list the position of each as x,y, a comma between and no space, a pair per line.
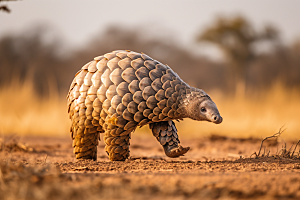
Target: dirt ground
214,168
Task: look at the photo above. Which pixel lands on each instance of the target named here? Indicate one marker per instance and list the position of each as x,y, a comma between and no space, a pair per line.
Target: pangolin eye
203,109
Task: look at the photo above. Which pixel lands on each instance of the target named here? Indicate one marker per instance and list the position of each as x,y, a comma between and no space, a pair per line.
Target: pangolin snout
217,119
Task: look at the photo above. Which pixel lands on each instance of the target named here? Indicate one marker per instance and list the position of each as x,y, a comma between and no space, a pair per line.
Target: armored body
119,91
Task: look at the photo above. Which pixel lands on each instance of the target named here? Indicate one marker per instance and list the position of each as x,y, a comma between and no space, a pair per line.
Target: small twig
295,148
273,136
255,154
289,151
263,155
268,153
45,158
284,149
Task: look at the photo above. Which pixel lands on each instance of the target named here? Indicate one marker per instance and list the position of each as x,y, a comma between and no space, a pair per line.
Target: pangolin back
120,91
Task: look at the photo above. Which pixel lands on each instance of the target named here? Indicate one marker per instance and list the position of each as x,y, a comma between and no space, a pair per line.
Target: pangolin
119,91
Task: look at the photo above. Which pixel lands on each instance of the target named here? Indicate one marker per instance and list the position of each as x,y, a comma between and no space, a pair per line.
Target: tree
236,38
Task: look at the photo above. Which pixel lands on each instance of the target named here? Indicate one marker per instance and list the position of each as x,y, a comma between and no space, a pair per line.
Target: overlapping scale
141,73
112,64
92,66
137,63
129,75
116,77
166,134
134,86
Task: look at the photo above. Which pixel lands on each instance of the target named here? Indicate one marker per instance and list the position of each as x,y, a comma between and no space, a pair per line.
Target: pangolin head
202,108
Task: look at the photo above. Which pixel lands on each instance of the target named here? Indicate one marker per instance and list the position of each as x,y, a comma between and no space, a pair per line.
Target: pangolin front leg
166,133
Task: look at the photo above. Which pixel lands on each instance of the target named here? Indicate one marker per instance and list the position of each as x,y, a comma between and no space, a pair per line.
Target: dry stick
268,153
273,136
282,150
295,148
45,158
288,152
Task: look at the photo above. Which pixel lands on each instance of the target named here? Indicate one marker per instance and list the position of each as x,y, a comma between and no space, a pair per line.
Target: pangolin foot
174,151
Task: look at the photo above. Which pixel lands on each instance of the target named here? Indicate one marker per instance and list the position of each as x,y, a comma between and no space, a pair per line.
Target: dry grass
23,112
259,114
282,153
12,144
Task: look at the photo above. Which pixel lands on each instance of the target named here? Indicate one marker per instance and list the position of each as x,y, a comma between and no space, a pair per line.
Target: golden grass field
258,114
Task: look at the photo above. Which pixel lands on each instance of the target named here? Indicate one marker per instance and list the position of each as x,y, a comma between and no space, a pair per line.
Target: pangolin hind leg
117,143
166,134
85,143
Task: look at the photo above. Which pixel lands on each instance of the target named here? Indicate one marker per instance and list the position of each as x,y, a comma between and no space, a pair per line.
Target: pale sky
76,21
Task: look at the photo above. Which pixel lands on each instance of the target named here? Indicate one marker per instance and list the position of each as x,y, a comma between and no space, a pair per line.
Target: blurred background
244,54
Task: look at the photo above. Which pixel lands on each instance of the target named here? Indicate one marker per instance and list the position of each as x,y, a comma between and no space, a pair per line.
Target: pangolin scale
119,91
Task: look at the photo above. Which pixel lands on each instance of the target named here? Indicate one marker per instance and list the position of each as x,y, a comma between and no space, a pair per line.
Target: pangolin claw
175,151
